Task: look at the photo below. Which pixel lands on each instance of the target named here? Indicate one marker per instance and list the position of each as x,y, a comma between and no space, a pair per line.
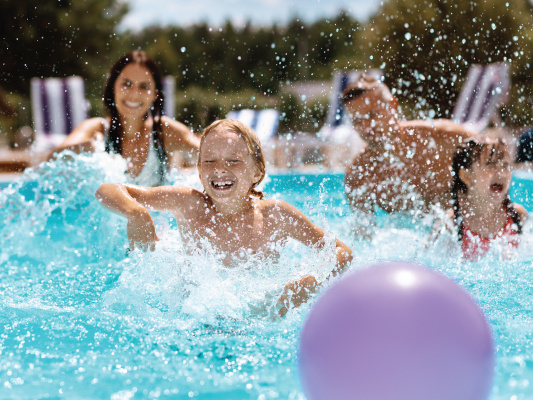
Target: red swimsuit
475,245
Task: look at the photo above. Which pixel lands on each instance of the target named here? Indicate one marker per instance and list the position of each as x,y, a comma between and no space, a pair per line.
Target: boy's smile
222,183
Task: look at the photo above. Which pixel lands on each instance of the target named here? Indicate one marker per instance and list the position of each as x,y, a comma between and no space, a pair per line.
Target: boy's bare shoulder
183,202
278,209
273,205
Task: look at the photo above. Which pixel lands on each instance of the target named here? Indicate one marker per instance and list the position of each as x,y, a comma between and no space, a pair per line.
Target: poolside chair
58,106
169,89
485,88
264,122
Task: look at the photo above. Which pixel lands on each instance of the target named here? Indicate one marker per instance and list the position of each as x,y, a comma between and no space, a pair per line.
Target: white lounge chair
264,122
58,106
169,89
485,88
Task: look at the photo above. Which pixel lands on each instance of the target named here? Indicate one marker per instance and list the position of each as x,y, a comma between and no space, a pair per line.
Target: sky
261,12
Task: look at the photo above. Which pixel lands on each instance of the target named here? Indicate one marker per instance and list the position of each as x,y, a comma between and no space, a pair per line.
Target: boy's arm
133,202
296,225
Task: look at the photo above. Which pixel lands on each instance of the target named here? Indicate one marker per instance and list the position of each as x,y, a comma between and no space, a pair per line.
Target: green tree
426,46
56,38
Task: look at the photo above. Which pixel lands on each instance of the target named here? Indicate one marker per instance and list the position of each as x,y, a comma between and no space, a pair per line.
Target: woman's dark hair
464,157
113,141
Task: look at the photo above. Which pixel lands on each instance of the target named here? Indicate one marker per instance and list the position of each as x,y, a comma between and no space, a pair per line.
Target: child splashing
482,210
230,213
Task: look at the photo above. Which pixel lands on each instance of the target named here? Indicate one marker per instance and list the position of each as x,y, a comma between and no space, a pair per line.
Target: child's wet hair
252,143
465,156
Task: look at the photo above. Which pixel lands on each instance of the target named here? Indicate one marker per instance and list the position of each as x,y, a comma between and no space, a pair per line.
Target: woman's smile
133,104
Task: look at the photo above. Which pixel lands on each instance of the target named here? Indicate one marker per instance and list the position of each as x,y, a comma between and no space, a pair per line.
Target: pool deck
15,161
301,152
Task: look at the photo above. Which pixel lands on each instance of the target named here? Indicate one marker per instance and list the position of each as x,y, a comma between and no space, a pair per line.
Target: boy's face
227,170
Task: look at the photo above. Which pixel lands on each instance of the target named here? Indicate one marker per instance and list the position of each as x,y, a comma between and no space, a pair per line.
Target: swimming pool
80,320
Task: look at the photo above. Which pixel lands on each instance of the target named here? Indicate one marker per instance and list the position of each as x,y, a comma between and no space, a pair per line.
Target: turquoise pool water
80,320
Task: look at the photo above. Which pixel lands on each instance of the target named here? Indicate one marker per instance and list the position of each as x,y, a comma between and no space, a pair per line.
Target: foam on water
81,318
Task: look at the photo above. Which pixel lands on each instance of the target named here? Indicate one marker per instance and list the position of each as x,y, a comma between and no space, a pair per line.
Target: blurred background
281,54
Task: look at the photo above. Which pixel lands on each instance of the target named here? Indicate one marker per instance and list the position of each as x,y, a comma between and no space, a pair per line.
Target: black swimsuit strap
162,156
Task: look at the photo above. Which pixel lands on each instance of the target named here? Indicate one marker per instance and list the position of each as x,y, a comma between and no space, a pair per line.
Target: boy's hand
296,293
141,231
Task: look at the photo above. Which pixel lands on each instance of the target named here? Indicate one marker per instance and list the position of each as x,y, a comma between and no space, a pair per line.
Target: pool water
83,319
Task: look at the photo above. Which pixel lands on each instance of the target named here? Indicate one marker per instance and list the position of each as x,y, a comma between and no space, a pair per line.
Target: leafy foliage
424,46
427,46
55,38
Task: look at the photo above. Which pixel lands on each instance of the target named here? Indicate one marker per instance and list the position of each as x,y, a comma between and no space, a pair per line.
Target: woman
135,127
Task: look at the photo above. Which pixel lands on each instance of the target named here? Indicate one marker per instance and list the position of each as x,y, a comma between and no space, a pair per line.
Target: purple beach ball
396,331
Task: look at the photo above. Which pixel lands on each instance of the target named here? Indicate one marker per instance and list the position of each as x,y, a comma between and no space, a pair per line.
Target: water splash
81,319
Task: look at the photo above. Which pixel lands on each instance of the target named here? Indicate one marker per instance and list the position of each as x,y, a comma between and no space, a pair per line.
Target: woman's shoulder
177,135
89,129
171,127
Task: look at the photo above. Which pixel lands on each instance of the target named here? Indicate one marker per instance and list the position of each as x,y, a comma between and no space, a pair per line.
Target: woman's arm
177,137
82,138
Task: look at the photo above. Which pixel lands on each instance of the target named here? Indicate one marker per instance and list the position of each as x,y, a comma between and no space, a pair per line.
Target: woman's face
135,91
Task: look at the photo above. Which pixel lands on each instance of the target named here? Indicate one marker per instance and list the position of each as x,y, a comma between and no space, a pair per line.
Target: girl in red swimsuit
482,210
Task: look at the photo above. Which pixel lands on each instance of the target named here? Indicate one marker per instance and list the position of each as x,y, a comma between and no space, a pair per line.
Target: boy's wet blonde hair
251,140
